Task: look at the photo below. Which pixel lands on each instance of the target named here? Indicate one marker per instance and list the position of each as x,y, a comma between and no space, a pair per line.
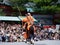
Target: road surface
44,42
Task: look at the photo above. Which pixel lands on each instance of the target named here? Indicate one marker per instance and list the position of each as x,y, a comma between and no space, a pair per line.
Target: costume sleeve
24,20
32,19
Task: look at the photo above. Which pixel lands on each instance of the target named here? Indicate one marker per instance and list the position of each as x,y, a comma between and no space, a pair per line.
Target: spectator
15,33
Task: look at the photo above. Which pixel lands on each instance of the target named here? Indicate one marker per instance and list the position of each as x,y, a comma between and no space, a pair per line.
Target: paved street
45,42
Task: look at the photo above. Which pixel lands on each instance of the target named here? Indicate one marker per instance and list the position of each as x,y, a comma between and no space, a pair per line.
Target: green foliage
19,1
0,0
1,12
15,14
58,9
19,5
45,6
42,6
57,20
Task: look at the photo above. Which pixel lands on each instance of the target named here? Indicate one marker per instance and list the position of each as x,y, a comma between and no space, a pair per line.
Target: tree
46,6
1,0
42,6
19,4
1,12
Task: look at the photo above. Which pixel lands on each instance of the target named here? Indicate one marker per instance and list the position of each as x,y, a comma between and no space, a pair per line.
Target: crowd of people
48,33
14,33
10,32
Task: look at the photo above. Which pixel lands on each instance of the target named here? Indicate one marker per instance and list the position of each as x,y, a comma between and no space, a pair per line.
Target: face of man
28,13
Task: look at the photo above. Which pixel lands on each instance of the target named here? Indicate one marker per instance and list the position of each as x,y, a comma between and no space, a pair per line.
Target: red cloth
46,26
